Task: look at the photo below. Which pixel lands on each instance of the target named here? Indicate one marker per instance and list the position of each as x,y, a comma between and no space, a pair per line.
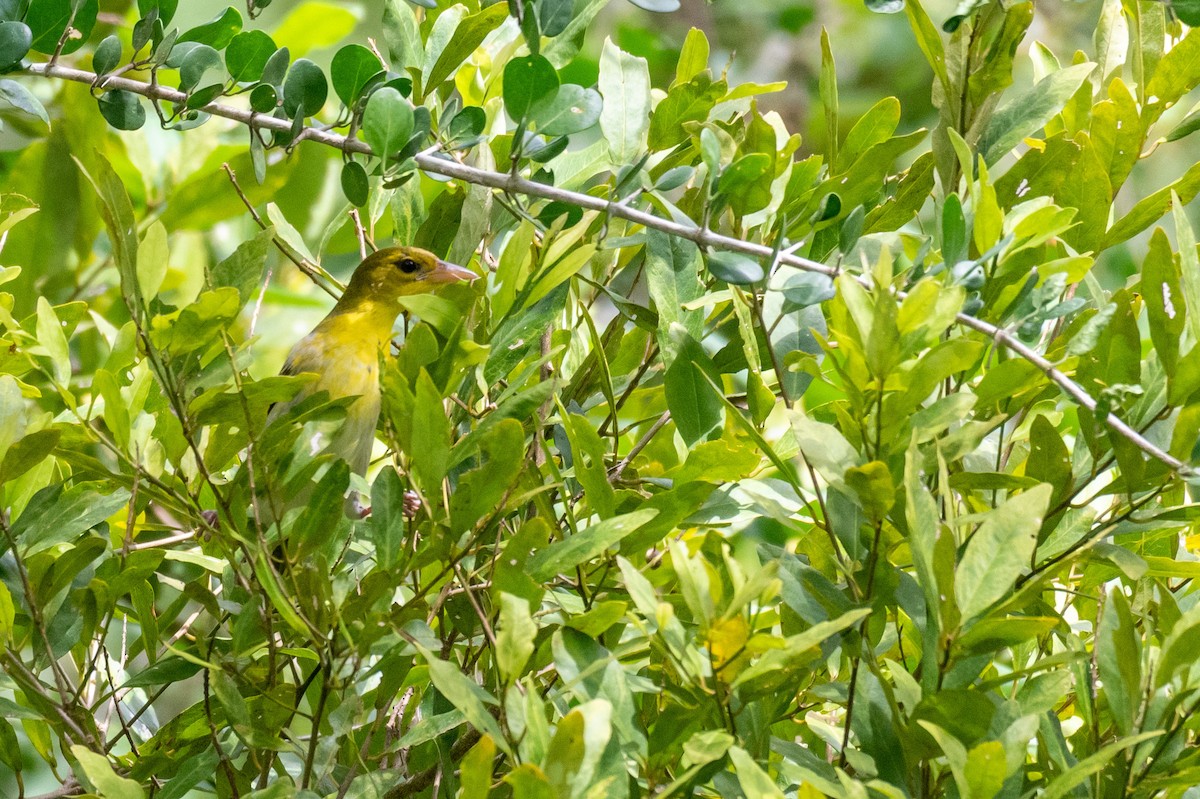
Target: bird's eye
408,266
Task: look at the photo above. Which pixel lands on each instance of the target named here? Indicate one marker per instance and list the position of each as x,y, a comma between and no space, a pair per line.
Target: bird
343,349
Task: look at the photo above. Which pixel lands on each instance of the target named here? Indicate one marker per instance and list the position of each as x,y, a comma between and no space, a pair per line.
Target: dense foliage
847,519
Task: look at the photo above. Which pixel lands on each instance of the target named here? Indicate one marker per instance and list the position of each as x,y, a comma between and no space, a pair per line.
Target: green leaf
243,269
387,526
469,34
352,67
387,122
588,459
569,110
753,779
1165,305
355,183
561,557
123,110
1175,75
1118,655
166,671
28,452
52,338
217,32
697,413
465,694
48,19
625,119
197,61
247,55
1151,208
673,280
304,89
1000,551
475,773
152,260
264,99
107,55
15,41
684,103
104,781
479,491
430,437
693,56
735,268
1029,111
555,15
527,80
1062,785
22,99
828,89
515,635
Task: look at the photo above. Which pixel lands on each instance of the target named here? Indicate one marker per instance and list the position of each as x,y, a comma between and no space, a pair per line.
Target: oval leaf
355,184
527,81
387,122
247,55
304,89
735,268
352,67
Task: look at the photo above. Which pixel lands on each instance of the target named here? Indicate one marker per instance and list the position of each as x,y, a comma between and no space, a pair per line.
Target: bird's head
394,272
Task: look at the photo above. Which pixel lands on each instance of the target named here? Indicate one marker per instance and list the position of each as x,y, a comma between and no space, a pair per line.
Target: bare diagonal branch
513,183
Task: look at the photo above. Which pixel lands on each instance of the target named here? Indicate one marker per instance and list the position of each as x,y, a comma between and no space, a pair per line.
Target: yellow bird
343,350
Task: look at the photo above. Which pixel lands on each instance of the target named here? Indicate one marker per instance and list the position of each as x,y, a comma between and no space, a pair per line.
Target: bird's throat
368,320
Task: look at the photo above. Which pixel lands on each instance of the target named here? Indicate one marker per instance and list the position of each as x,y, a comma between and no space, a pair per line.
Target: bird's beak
446,272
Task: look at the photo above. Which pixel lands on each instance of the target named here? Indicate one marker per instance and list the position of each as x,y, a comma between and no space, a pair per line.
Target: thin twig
514,183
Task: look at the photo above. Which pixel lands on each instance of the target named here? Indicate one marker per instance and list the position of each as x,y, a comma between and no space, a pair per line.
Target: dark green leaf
527,80
200,58
27,453
467,125
167,670
276,68
479,490
217,32
735,268
166,8
885,6
15,40
694,408
954,231
352,67
355,184
48,19
563,556
388,527
387,122
123,110
247,55
263,98
304,89
107,55
555,15
57,514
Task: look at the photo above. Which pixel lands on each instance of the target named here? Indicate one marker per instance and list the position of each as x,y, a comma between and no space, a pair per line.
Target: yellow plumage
343,350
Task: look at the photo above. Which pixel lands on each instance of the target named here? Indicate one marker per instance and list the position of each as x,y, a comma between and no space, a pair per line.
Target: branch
514,183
